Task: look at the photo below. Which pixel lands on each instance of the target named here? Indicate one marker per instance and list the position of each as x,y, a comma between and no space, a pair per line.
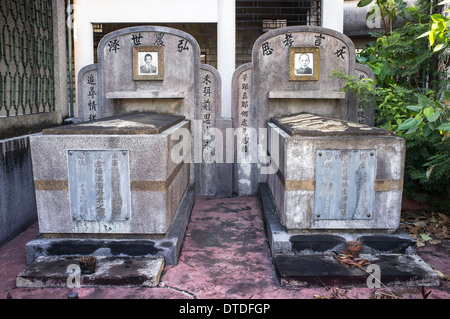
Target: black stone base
320,270
51,271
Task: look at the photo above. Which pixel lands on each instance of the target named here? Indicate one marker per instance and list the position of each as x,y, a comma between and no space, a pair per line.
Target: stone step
52,271
323,269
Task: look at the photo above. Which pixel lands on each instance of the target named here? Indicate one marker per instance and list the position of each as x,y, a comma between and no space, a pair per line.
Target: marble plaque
345,182
99,185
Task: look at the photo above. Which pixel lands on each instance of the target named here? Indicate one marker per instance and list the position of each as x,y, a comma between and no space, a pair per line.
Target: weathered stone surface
132,124
156,185
221,271
109,87
52,271
307,124
318,243
17,206
305,171
268,88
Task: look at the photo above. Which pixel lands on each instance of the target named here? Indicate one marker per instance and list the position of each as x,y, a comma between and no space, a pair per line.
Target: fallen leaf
440,274
425,237
434,242
420,244
347,260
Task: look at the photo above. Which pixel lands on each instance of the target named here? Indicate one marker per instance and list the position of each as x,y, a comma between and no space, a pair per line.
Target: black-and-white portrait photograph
148,63
304,64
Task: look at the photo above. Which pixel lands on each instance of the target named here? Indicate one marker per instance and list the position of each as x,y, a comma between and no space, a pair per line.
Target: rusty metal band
296,185
300,185
63,185
51,185
156,185
381,185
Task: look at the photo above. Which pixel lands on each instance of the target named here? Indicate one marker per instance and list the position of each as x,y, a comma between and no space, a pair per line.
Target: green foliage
439,32
429,116
427,170
391,101
388,9
410,94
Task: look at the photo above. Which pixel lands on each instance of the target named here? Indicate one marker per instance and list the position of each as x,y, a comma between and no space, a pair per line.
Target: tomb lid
308,124
131,124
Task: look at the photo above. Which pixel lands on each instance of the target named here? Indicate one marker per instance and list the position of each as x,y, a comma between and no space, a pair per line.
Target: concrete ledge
306,95
110,271
168,247
144,95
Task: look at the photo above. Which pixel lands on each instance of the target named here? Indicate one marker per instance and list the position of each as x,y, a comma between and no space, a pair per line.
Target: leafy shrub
411,96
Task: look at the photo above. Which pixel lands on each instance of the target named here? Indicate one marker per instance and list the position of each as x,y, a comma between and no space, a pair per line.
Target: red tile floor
225,254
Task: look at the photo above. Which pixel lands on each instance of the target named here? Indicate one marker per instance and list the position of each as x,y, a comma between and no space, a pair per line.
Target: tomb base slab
307,258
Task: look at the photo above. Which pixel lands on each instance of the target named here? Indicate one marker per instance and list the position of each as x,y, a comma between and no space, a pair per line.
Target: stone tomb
111,176
324,176
110,183
335,174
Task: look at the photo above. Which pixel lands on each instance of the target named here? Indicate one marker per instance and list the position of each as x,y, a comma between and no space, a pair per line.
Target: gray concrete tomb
110,185
111,176
323,174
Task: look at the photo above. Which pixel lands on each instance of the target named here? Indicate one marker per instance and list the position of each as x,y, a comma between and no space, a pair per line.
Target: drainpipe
69,38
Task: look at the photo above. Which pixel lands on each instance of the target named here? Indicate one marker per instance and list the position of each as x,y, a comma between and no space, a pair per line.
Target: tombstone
122,182
244,138
210,156
323,178
274,88
365,109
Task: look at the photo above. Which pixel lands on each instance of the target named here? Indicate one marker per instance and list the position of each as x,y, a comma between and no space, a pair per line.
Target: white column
226,50
83,39
332,15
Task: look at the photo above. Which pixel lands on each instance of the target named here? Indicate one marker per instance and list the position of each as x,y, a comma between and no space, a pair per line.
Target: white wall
333,14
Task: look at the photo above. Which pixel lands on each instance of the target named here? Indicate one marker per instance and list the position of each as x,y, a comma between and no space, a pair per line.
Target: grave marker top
132,124
306,124
280,87
141,69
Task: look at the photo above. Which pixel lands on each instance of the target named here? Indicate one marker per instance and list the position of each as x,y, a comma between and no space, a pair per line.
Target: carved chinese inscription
345,182
99,185
89,106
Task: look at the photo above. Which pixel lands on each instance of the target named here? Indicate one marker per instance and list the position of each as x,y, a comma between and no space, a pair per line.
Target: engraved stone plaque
344,184
99,185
